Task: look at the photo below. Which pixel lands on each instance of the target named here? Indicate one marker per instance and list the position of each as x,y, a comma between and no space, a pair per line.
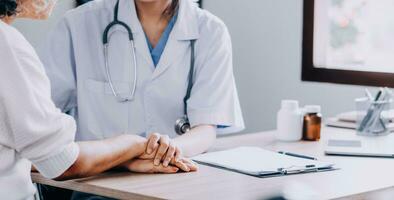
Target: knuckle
165,143
162,149
172,149
155,136
156,139
178,150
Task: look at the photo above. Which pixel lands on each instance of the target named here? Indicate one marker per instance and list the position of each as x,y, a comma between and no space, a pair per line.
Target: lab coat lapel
173,51
185,29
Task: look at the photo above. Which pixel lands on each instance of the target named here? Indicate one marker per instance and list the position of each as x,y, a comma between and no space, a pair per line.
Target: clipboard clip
298,169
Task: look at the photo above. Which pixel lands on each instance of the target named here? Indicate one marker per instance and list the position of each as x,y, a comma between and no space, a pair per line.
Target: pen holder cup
372,117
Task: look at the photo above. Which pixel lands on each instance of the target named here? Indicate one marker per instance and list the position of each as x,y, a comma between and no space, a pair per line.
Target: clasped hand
161,155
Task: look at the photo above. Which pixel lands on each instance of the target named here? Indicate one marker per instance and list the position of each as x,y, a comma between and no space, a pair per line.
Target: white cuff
211,117
215,117
56,165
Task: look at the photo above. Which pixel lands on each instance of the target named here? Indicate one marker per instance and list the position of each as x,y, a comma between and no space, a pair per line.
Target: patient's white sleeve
39,131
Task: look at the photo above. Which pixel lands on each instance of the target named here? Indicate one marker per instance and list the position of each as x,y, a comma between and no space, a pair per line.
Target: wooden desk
359,178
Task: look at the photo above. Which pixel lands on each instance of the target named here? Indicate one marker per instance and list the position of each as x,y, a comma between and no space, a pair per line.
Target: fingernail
156,162
149,151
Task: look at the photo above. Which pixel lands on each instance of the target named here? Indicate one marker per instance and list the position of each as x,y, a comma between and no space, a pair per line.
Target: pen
297,155
371,110
378,94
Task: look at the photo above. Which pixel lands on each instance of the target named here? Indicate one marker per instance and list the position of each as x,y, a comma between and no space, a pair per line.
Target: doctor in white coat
142,88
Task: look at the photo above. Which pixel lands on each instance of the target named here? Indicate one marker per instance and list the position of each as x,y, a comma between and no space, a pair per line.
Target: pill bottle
312,123
289,121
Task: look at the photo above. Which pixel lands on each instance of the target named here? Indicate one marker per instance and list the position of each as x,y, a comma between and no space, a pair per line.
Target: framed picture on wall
80,2
349,42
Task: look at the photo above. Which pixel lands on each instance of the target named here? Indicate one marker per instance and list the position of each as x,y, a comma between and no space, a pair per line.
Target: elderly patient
34,131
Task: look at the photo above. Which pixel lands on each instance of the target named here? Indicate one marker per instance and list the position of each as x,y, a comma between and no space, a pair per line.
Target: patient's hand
161,148
147,166
182,163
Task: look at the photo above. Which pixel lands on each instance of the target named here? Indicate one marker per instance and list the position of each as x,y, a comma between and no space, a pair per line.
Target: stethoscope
182,125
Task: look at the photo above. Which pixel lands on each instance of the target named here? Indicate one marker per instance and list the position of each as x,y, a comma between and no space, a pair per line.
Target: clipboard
255,161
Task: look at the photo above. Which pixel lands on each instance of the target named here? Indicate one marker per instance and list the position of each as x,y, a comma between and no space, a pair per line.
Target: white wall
267,58
267,36
36,31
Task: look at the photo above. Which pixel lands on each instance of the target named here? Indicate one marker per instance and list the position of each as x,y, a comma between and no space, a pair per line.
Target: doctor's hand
162,149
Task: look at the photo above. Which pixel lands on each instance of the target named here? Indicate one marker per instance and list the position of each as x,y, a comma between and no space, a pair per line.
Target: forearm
98,156
197,140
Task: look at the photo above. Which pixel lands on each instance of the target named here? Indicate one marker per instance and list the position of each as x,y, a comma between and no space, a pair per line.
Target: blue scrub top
159,48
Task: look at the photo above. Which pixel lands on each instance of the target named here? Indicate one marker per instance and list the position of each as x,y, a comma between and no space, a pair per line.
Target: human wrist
135,144
139,146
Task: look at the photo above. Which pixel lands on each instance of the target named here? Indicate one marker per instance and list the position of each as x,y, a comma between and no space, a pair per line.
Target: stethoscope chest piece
182,125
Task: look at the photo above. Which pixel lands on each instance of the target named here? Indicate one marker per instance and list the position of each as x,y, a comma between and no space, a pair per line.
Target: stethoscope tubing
116,22
108,74
182,125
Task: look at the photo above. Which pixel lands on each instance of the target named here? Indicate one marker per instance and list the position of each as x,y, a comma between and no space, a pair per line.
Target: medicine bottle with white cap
312,123
289,121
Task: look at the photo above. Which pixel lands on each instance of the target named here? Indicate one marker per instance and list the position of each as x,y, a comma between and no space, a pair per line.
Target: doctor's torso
83,89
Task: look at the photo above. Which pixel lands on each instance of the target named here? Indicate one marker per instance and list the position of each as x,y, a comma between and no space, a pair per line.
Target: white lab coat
74,61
